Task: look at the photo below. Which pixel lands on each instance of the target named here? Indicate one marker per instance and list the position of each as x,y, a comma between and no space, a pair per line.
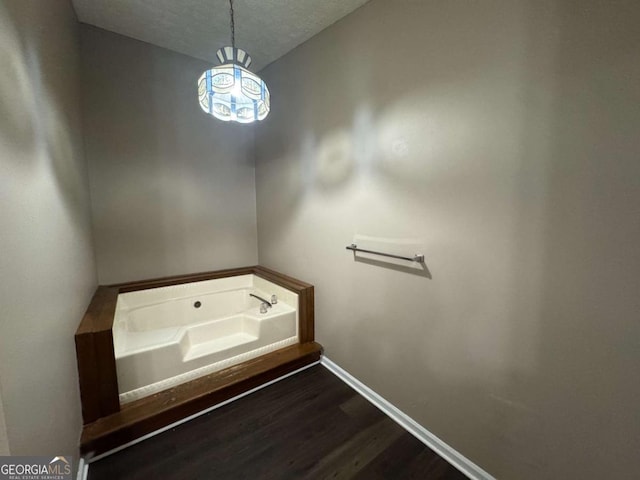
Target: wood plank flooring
308,426
156,411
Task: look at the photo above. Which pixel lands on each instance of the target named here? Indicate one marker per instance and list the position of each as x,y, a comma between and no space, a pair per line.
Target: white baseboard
454,457
83,469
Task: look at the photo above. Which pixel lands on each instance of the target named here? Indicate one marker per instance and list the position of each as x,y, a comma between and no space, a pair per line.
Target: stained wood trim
88,374
94,339
180,279
146,415
99,314
280,278
94,354
305,291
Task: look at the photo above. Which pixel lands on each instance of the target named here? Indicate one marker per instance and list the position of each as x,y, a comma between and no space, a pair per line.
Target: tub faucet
264,305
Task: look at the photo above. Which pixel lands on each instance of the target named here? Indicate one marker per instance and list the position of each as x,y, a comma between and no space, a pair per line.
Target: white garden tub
170,335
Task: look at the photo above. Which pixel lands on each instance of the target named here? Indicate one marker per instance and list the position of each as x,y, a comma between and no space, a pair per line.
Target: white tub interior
161,339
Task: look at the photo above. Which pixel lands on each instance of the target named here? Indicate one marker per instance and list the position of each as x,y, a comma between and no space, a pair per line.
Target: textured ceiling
266,29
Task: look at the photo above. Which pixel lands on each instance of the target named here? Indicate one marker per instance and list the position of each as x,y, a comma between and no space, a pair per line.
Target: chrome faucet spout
266,302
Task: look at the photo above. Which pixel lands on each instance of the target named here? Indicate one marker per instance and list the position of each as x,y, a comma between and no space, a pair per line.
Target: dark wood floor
308,426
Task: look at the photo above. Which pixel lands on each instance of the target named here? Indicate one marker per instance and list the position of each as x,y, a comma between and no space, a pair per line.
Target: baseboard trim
451,455
83,469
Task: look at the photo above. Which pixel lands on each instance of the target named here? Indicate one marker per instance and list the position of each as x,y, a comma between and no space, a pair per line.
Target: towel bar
416,258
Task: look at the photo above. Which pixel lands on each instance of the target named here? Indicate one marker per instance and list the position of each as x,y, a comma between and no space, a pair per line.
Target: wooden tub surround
108,425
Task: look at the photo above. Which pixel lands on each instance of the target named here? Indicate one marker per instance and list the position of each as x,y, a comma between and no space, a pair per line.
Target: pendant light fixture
229,91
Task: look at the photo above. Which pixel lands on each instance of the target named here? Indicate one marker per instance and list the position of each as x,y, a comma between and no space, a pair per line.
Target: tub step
146,415
218,345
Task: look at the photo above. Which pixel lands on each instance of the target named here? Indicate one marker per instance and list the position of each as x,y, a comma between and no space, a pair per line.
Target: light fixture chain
233,27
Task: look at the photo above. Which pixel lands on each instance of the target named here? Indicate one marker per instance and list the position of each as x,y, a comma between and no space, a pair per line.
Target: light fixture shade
230,92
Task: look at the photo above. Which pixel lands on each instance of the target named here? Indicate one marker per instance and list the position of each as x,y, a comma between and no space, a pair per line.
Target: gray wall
47,272
172,189
4,440
502,137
